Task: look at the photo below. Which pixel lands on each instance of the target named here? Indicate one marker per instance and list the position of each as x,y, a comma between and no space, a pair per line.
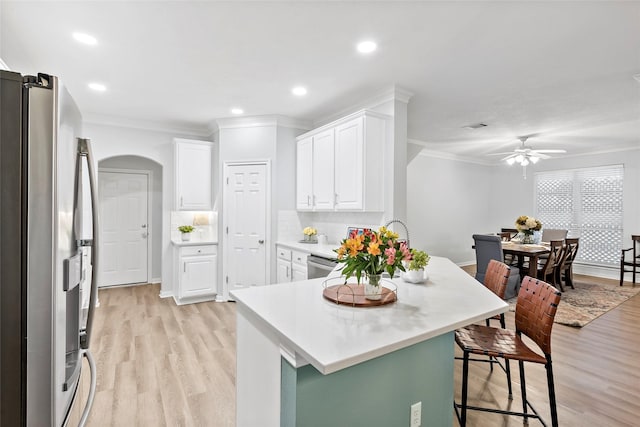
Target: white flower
531,223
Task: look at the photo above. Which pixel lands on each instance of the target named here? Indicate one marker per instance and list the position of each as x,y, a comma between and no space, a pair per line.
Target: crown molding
394,93
150,125
436,154
260,121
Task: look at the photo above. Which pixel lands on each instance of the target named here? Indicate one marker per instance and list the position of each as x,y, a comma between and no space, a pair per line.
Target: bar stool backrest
535,310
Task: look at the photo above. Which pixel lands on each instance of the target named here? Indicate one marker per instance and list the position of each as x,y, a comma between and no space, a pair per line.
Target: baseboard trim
597,271
166,294
156,280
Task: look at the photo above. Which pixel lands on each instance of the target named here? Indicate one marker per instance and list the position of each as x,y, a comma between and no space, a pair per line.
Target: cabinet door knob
144,226
261,241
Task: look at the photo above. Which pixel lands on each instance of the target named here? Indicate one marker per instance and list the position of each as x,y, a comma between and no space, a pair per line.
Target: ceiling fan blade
548,151
500,154
541,156
508,157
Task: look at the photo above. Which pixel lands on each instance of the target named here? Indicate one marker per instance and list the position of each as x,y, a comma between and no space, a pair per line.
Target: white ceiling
560,70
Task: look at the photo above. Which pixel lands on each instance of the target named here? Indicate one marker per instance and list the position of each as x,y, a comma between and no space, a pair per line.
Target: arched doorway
130,200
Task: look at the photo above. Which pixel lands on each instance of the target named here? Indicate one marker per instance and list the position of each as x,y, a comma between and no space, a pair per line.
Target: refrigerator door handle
84,149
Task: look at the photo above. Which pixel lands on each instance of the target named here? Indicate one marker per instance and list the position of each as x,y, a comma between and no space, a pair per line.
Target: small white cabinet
291,265
196,275
344,161
193,175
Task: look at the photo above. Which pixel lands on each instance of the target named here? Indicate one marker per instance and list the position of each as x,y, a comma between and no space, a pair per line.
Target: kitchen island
305,361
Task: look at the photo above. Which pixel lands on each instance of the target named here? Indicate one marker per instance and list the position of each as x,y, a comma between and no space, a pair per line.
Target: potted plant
372,253
186,232
415,268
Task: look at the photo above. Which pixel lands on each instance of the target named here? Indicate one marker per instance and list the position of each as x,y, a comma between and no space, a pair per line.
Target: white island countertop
332,337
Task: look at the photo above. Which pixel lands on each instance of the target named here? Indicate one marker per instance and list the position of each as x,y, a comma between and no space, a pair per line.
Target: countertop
194,242
332,337
325,251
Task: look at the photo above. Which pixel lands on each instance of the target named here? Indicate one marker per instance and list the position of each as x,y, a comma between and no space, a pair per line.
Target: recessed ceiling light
237,111
85,38
367,46
98,87
299,91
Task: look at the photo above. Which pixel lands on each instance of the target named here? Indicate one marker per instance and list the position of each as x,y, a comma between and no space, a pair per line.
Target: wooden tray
353,294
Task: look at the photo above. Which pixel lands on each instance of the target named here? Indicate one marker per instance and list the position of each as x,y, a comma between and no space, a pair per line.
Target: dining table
530,251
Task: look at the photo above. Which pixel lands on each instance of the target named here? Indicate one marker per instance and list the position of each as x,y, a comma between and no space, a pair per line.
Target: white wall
110,141
447,202
262,139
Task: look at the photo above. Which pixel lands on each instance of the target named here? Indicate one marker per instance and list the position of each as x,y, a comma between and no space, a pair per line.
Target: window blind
587,202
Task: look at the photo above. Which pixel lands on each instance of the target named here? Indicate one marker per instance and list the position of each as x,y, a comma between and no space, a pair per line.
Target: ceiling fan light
511,161
524,162
534,159
519,158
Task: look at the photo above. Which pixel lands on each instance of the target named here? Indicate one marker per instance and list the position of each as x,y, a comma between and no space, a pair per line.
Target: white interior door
124,227
245,225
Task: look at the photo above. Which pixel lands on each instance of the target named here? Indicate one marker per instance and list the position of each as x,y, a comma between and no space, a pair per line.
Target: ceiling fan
525,155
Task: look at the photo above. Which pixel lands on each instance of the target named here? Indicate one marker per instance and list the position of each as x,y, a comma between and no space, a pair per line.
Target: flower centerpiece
309,234
527,226
372,253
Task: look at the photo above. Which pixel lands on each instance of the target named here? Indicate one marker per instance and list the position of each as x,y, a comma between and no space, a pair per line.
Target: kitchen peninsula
305,361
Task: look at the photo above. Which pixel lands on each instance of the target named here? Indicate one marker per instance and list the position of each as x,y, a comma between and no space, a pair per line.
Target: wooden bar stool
535,311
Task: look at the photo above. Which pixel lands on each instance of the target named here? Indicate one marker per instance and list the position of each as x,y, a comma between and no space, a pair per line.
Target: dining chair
509,259
549,234
535,310
511,231
565,269
547,266
489,247
630,265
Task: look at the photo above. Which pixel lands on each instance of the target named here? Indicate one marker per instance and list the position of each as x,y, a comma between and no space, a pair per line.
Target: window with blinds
587,202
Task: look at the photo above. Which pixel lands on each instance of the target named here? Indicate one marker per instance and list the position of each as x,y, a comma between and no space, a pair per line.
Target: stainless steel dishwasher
318,266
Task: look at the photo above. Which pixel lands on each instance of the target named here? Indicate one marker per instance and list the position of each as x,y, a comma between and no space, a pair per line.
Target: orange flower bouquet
372,253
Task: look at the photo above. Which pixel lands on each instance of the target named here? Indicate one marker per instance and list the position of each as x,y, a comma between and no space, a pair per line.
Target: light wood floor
165,365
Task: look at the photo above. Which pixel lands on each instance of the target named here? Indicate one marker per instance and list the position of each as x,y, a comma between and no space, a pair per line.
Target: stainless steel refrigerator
46,305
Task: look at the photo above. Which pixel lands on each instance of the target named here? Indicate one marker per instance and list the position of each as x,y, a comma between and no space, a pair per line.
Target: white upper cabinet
193,175
347,165
322,167
304,175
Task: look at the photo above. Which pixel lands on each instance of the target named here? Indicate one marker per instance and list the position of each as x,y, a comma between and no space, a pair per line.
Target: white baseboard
156,280
165,294
597,271
465,263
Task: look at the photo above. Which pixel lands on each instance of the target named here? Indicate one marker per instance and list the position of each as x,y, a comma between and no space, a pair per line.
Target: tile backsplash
333,224
206,230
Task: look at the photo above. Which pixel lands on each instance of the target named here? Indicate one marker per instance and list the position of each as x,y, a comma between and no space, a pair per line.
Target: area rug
588,301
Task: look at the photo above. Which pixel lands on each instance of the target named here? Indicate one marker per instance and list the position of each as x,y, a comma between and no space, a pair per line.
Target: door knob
144,226
261,241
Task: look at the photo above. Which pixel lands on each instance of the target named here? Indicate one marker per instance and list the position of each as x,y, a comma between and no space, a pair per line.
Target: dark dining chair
630,265
565,270
511,231
547,267
489,247
535,311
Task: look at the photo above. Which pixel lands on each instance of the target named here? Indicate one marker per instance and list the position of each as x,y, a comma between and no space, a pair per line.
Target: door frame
149,175
225,212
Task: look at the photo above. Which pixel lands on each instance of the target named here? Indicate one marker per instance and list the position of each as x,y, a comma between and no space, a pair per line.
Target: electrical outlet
416,415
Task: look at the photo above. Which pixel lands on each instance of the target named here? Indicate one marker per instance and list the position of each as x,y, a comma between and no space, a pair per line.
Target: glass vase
373,287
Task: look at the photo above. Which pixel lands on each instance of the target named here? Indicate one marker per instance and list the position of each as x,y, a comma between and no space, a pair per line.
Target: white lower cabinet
197,269
291,265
